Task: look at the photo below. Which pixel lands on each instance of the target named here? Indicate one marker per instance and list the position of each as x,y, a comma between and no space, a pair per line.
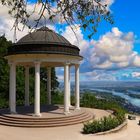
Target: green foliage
105,123
20,85
4,68
89,100
3,103
54,82
58,98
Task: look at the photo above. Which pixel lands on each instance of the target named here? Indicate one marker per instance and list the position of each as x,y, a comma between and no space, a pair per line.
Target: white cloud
4,12
104,2
6,22
123,64
104,65
114,50
125,75
136,61
135,74
60,77
34,12
98,75
116,31
108,2
77,39
6,29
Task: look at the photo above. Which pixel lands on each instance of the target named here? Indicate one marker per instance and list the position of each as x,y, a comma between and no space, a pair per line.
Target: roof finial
44,28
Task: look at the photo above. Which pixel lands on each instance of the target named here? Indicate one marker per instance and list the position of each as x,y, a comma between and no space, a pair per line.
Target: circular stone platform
51,116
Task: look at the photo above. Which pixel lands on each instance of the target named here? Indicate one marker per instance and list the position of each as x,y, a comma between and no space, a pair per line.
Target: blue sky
127,20
126,17
114,51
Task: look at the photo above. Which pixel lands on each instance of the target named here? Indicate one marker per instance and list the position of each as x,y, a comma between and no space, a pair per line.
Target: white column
27,103
37,89
49,84
12,88
77,96
69,92
66,89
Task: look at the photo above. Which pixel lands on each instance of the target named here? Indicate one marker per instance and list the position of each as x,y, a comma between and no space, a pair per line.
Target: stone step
45,123
45,119
42,118
81,117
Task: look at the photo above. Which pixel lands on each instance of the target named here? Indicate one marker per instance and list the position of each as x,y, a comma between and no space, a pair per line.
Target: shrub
105,123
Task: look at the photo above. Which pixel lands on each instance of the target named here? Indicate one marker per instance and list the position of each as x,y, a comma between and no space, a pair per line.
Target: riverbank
125,93
131,104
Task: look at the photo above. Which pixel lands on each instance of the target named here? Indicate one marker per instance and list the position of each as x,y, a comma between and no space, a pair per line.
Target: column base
77,108
37,115
67,113
13,112
71,107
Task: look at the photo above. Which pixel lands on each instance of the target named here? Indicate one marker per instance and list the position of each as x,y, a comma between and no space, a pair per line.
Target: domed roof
43,35
43,41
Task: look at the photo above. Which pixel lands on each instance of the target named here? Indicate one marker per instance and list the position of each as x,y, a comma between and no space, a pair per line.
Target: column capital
49,67
77,65
67,63
37,62
26,66
11,63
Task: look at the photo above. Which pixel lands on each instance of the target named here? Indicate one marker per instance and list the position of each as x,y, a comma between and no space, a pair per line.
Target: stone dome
44,35
43,41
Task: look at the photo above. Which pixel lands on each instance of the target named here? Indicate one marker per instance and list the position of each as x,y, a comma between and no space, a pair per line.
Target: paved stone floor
73,132
47,111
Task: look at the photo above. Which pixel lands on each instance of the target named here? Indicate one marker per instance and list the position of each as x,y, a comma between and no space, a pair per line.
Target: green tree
54,81
4,68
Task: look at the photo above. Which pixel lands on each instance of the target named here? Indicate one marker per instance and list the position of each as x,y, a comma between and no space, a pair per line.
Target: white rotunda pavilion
43,48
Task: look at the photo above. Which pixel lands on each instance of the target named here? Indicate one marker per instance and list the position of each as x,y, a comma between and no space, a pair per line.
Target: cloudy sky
114,51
